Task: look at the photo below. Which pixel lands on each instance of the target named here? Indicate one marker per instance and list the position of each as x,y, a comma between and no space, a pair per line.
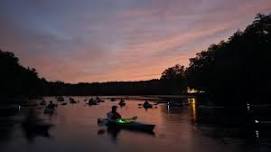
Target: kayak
92,102
122,103
127,124
147,106
49,110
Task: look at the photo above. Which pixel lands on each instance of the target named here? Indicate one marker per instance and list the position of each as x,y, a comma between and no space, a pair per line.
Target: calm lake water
74,128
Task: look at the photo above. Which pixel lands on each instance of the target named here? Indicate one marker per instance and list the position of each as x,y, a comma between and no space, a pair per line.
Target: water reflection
6,128
8,121
75,129
166,108
33,126
192,102
114,132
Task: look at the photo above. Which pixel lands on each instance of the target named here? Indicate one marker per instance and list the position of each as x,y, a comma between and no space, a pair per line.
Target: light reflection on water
74,128
192,102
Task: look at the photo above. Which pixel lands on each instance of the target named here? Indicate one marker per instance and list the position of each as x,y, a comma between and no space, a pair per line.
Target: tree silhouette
236,71
16,80
173,79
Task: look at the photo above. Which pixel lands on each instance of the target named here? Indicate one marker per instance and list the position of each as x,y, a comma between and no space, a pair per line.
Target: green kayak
127,124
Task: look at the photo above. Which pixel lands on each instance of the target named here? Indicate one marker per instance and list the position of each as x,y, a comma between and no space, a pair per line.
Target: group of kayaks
50,108
127,124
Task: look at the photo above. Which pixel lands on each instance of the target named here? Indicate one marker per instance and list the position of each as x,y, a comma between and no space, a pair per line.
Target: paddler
113,114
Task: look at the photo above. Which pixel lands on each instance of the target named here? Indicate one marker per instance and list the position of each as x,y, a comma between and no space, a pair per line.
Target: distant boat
49,110
64,103
99,99
9,110
122,102
147,105
72,101
92,102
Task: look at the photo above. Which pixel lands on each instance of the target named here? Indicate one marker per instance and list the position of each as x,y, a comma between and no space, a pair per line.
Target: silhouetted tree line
15,80
171,83
236,71
150,87
18,81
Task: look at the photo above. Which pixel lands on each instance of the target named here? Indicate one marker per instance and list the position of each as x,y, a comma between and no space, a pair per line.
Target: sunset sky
109,40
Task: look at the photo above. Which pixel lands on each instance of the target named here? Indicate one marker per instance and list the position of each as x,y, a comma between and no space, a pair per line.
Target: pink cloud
121,43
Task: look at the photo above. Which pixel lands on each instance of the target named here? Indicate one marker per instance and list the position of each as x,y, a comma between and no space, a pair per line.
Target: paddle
133,118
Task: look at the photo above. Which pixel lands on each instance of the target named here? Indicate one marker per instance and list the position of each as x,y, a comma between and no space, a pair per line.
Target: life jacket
113,116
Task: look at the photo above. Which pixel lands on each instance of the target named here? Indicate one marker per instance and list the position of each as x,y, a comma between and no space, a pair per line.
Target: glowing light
120,121
257,134
123,121
168,107
193,90
248,107
192,102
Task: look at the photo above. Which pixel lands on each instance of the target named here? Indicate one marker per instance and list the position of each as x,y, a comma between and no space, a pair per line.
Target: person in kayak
147,105
113,115
51,105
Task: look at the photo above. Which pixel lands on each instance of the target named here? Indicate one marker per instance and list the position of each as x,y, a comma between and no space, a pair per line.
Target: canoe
127,124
